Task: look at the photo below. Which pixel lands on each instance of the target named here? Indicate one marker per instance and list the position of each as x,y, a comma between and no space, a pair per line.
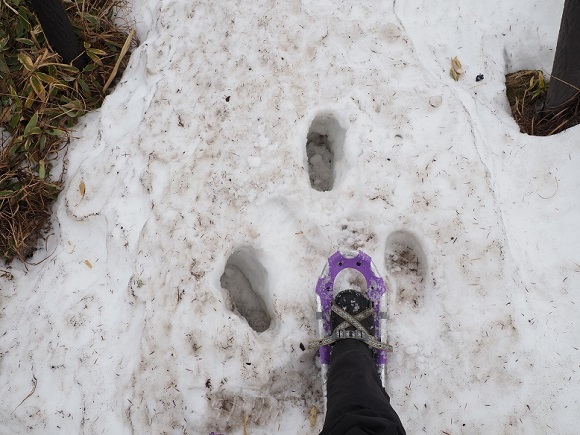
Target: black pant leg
356,400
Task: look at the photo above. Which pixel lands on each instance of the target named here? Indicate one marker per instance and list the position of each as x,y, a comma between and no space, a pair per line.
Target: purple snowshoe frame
376,292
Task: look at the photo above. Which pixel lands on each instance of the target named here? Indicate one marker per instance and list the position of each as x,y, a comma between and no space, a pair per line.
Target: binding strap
341,333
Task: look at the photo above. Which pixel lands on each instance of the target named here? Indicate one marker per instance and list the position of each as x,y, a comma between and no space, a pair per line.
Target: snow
200,226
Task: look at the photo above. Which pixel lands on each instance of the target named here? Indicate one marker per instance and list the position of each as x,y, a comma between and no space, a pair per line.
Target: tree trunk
565,81
58,31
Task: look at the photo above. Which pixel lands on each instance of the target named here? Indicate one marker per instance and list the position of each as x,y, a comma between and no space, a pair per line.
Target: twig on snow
34,382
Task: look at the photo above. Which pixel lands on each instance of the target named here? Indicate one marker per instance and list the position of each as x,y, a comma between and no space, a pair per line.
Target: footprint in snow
406,263
244,279
324,146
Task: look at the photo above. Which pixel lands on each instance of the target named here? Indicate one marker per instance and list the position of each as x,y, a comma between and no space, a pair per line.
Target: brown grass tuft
526,91
41,99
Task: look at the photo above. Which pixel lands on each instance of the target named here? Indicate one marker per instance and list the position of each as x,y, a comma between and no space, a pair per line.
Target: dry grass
526,92
41,99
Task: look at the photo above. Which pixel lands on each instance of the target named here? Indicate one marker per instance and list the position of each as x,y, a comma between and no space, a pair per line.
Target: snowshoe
352,314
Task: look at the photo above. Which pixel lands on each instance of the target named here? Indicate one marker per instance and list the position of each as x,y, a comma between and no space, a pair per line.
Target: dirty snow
197,178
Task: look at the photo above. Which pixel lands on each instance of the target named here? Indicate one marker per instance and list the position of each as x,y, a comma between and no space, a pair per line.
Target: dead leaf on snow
313,416
456,69
82,189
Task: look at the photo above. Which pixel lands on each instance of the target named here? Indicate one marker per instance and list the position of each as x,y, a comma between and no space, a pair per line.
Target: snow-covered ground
174,295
